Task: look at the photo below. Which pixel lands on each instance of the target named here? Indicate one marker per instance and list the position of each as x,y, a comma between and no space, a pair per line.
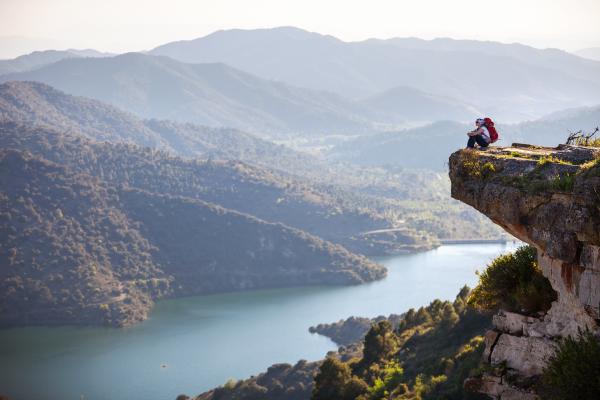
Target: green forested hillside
78,250
68,254
410,199
326,212
427,355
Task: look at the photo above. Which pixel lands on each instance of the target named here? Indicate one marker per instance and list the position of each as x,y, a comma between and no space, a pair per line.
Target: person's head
479,121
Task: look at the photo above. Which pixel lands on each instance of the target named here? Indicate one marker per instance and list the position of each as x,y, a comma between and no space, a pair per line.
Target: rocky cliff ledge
549,198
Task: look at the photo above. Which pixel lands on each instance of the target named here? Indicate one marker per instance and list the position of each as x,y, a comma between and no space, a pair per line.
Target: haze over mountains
498,78
282,81
405,148
218,95
39,104
377,189
40,58
592,53
208,94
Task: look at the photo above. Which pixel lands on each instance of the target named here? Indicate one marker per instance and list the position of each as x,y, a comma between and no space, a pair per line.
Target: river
192,344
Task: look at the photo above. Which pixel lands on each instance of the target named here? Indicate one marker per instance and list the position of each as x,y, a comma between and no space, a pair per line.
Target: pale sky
133,25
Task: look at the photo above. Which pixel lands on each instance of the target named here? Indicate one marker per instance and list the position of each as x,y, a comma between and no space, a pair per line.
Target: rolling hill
412,196
33,103
81,250
38,104
327,212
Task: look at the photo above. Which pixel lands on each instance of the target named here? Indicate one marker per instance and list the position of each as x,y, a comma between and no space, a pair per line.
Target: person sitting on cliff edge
480,135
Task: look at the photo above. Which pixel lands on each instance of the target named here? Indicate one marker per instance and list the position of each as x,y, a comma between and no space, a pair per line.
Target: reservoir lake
193,344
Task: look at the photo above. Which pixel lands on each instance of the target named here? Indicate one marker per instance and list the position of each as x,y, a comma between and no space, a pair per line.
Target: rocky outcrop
549,198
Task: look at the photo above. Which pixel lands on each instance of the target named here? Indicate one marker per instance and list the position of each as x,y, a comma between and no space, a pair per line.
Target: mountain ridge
360,69
39,59
209,94
217,95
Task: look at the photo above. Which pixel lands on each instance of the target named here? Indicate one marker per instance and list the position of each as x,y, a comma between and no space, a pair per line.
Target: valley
272,213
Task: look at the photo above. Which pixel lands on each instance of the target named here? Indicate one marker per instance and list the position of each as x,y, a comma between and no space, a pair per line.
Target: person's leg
481,141
471,142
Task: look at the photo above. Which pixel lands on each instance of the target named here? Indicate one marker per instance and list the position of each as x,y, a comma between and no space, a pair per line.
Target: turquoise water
193,344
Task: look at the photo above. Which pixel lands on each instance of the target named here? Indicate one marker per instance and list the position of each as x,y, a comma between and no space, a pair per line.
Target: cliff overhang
550,199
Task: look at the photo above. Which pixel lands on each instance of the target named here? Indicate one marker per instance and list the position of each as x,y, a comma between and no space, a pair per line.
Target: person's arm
478,131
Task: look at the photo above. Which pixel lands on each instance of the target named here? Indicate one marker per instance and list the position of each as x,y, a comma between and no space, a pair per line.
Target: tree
380,343
335,381
423,316
449,316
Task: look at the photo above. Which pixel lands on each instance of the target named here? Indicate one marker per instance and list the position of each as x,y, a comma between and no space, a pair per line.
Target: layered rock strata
549,198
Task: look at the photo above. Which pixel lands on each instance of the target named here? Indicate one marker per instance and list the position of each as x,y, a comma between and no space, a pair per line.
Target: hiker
483,135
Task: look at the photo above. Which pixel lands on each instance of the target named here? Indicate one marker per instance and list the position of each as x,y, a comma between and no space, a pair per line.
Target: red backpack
489,124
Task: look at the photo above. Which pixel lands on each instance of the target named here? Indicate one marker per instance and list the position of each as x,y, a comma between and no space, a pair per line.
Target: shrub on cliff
513,282
573,372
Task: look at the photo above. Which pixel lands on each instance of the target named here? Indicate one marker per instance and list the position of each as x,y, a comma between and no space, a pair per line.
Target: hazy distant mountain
429,146
217,95
208,94
78,250
548,58
592,53
423,147
554,128
38,59
508,80
406,103
90,53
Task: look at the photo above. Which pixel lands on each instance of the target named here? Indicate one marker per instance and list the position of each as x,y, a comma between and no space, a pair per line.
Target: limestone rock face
549,198
523,354
496,388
